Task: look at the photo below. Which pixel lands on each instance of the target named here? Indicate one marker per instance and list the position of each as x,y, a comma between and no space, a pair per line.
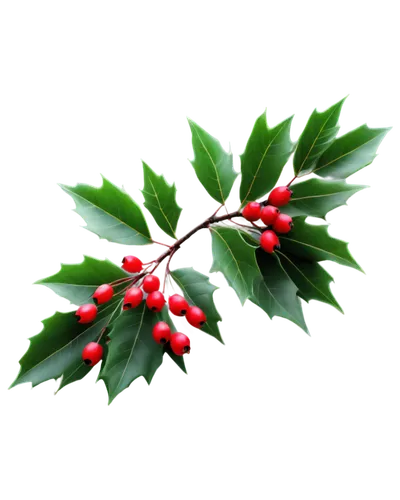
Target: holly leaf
164,316
316,197
235,258
266,153
78,370
78,282
212,164
110,213
57,349
318,135
160,201
198,291
350,152
310,278
132,351
275,292
178,360
313,243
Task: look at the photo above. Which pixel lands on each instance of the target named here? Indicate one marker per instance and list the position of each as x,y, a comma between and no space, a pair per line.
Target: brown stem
167,271
120,281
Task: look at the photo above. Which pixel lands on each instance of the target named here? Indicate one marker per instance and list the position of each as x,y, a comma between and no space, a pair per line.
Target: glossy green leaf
212,164
310,278
160,201
318,135
235,258
132,351
179,361
275,292
110,213
78,282
313,243
266,153
78,370
198,291
350,152
316,197
57,349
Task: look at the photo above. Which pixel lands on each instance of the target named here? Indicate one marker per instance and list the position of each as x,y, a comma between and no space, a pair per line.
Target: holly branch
124,321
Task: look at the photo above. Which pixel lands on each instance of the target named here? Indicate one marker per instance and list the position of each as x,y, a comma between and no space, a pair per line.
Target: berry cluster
275,221
155,301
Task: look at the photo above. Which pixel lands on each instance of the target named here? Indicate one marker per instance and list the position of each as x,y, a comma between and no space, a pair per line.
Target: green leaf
320,131
179,361
310,278
316,197
57,349
79,370
257,275
350,152
313,243
198,291
110,213
132,351
266,153
235,259
160,200
213,165
78,282
275,292
164,316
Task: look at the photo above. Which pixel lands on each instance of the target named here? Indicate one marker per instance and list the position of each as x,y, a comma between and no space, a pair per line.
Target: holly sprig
122,320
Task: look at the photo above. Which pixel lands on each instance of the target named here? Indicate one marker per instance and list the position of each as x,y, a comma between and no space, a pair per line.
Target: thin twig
167,270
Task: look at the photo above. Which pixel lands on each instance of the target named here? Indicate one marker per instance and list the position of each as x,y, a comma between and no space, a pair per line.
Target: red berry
252,211
280,196
283,223
269,214
132,264
86,313
133,298
92,354
103,294
180,344
151,283
161,332
155,301
178,305
269,241
196,317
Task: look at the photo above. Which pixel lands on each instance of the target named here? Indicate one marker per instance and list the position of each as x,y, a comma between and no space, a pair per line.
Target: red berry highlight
280,196
269,241
178,305
155,301
92,354
132,264
132,298
269,214
161,332
151,283
86,313
252,211
180,344
103,294
283,224
196,317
